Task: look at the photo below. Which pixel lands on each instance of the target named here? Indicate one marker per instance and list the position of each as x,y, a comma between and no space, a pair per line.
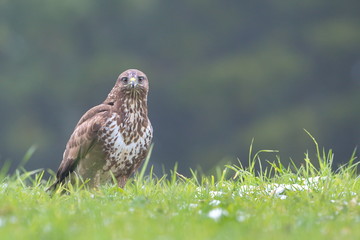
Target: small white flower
216,193
313,180
193,205
279,190
298,187
282,197
215,202
246,189
217,213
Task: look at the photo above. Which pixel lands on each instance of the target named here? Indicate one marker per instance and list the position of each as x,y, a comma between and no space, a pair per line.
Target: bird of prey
113,138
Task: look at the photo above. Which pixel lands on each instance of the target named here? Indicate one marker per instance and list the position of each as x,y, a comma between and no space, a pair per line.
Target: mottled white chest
121,152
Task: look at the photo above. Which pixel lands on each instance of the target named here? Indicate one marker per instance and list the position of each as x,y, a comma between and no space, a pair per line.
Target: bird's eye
140,79
124,79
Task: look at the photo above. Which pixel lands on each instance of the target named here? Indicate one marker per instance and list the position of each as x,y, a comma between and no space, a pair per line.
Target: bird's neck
133,119
127,103
132,108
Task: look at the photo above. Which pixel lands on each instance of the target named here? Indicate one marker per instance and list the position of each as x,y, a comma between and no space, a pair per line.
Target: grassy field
276,202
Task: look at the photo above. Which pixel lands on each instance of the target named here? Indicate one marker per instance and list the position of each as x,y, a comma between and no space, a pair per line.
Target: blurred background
221,74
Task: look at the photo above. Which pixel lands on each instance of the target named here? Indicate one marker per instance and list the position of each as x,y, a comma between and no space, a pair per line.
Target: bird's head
133,80
131,84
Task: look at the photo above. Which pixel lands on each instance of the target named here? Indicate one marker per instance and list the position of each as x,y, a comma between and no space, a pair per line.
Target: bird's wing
82,139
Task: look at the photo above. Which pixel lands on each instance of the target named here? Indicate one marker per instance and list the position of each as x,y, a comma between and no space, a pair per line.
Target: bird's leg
122,181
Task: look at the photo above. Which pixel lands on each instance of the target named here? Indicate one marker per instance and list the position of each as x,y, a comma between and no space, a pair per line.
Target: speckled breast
125,145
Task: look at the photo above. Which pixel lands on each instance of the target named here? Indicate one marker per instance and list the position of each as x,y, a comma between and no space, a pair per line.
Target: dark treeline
221,73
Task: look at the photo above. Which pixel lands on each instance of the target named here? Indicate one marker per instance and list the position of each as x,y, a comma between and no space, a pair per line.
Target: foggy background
220,72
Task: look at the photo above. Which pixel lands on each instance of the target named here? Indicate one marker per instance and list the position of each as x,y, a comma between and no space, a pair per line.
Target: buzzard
113,138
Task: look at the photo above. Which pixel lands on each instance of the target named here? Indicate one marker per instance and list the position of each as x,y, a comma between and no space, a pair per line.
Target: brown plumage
114,136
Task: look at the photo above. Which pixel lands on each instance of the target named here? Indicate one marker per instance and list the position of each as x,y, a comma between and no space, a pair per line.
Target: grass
254,202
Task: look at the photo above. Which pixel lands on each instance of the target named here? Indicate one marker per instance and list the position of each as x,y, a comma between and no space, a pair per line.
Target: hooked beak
133,82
